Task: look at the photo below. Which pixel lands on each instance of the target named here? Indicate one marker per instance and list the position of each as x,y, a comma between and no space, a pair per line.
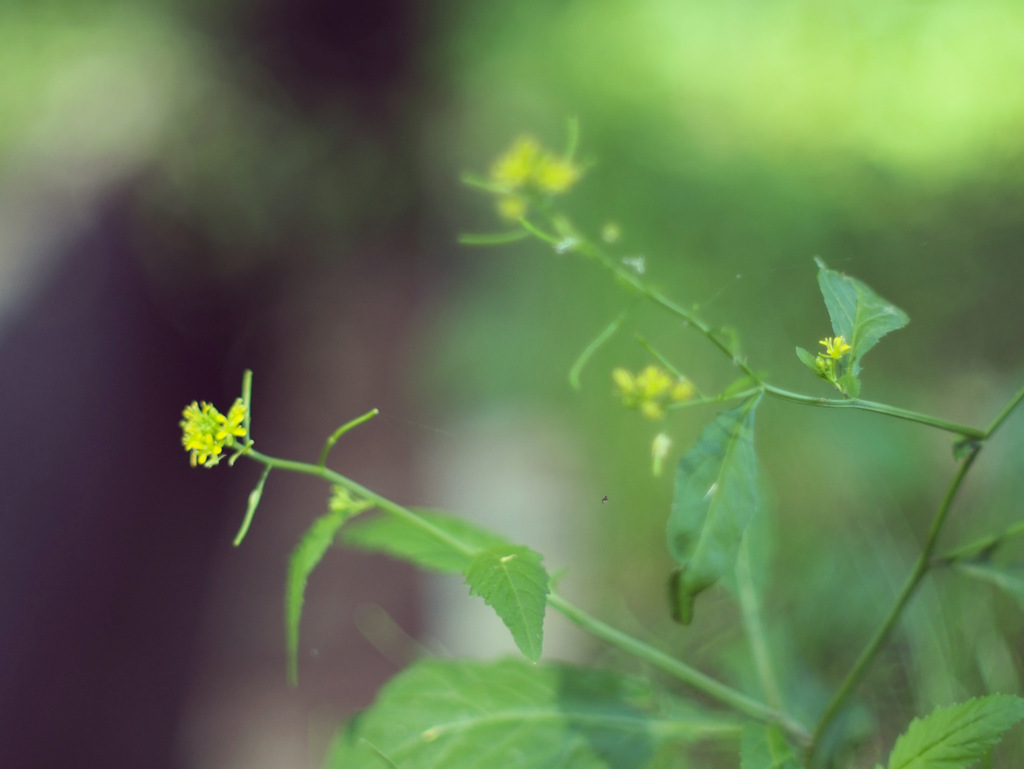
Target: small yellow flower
683,390
835,348
525,170
652,382
651,409
205,432
555,175
651,390
624,381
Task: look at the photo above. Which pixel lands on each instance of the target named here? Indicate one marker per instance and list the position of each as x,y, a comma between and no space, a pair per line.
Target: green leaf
716,496
405,541
447,714
956,736
849,385
765,747
858,314
807,359
512,581
1007,578
305,557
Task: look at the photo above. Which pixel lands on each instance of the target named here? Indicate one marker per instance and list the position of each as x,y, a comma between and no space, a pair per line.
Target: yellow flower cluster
835,348
526,166
825,363
205,432
651,389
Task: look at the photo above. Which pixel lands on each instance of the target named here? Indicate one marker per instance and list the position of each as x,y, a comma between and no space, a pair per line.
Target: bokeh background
191,188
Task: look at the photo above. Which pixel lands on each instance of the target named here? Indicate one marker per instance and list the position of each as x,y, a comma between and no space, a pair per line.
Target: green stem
537,232
753,626
879,408
383,503
341,431
604,336
920,569
659,357
492,238
979,546
1007,410
247,401
695,678
587,248
591,250
659,659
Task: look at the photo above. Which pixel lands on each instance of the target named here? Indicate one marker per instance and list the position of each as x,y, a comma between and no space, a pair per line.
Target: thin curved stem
979,546
921,567
750,609
594,346
383,503
1007,410
659,659
590,250
879,408
341,431
713,688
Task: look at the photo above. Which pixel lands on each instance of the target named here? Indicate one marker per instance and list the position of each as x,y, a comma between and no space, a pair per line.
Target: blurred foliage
732,143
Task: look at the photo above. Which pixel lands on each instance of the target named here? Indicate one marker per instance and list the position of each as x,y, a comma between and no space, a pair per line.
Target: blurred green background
283,162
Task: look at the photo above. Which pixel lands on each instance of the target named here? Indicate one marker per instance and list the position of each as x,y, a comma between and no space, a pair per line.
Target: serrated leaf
405,541
765,747
957,736
1007,578
446,714
512,581
304,558
716,495
858,314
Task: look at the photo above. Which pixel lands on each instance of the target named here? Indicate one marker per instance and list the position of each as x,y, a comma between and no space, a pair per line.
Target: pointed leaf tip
859,315
512,581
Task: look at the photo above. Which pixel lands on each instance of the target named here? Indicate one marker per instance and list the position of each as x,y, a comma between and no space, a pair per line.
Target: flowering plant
457,714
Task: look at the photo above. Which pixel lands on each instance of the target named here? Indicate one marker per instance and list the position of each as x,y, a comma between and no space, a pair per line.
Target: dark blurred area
191,189
203,255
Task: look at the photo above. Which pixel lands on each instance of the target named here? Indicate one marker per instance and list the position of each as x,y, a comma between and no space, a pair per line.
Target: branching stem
920,569
710,686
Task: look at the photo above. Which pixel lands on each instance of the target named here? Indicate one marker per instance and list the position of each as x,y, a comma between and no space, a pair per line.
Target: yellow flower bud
652,409
624,381
512,207
683,390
